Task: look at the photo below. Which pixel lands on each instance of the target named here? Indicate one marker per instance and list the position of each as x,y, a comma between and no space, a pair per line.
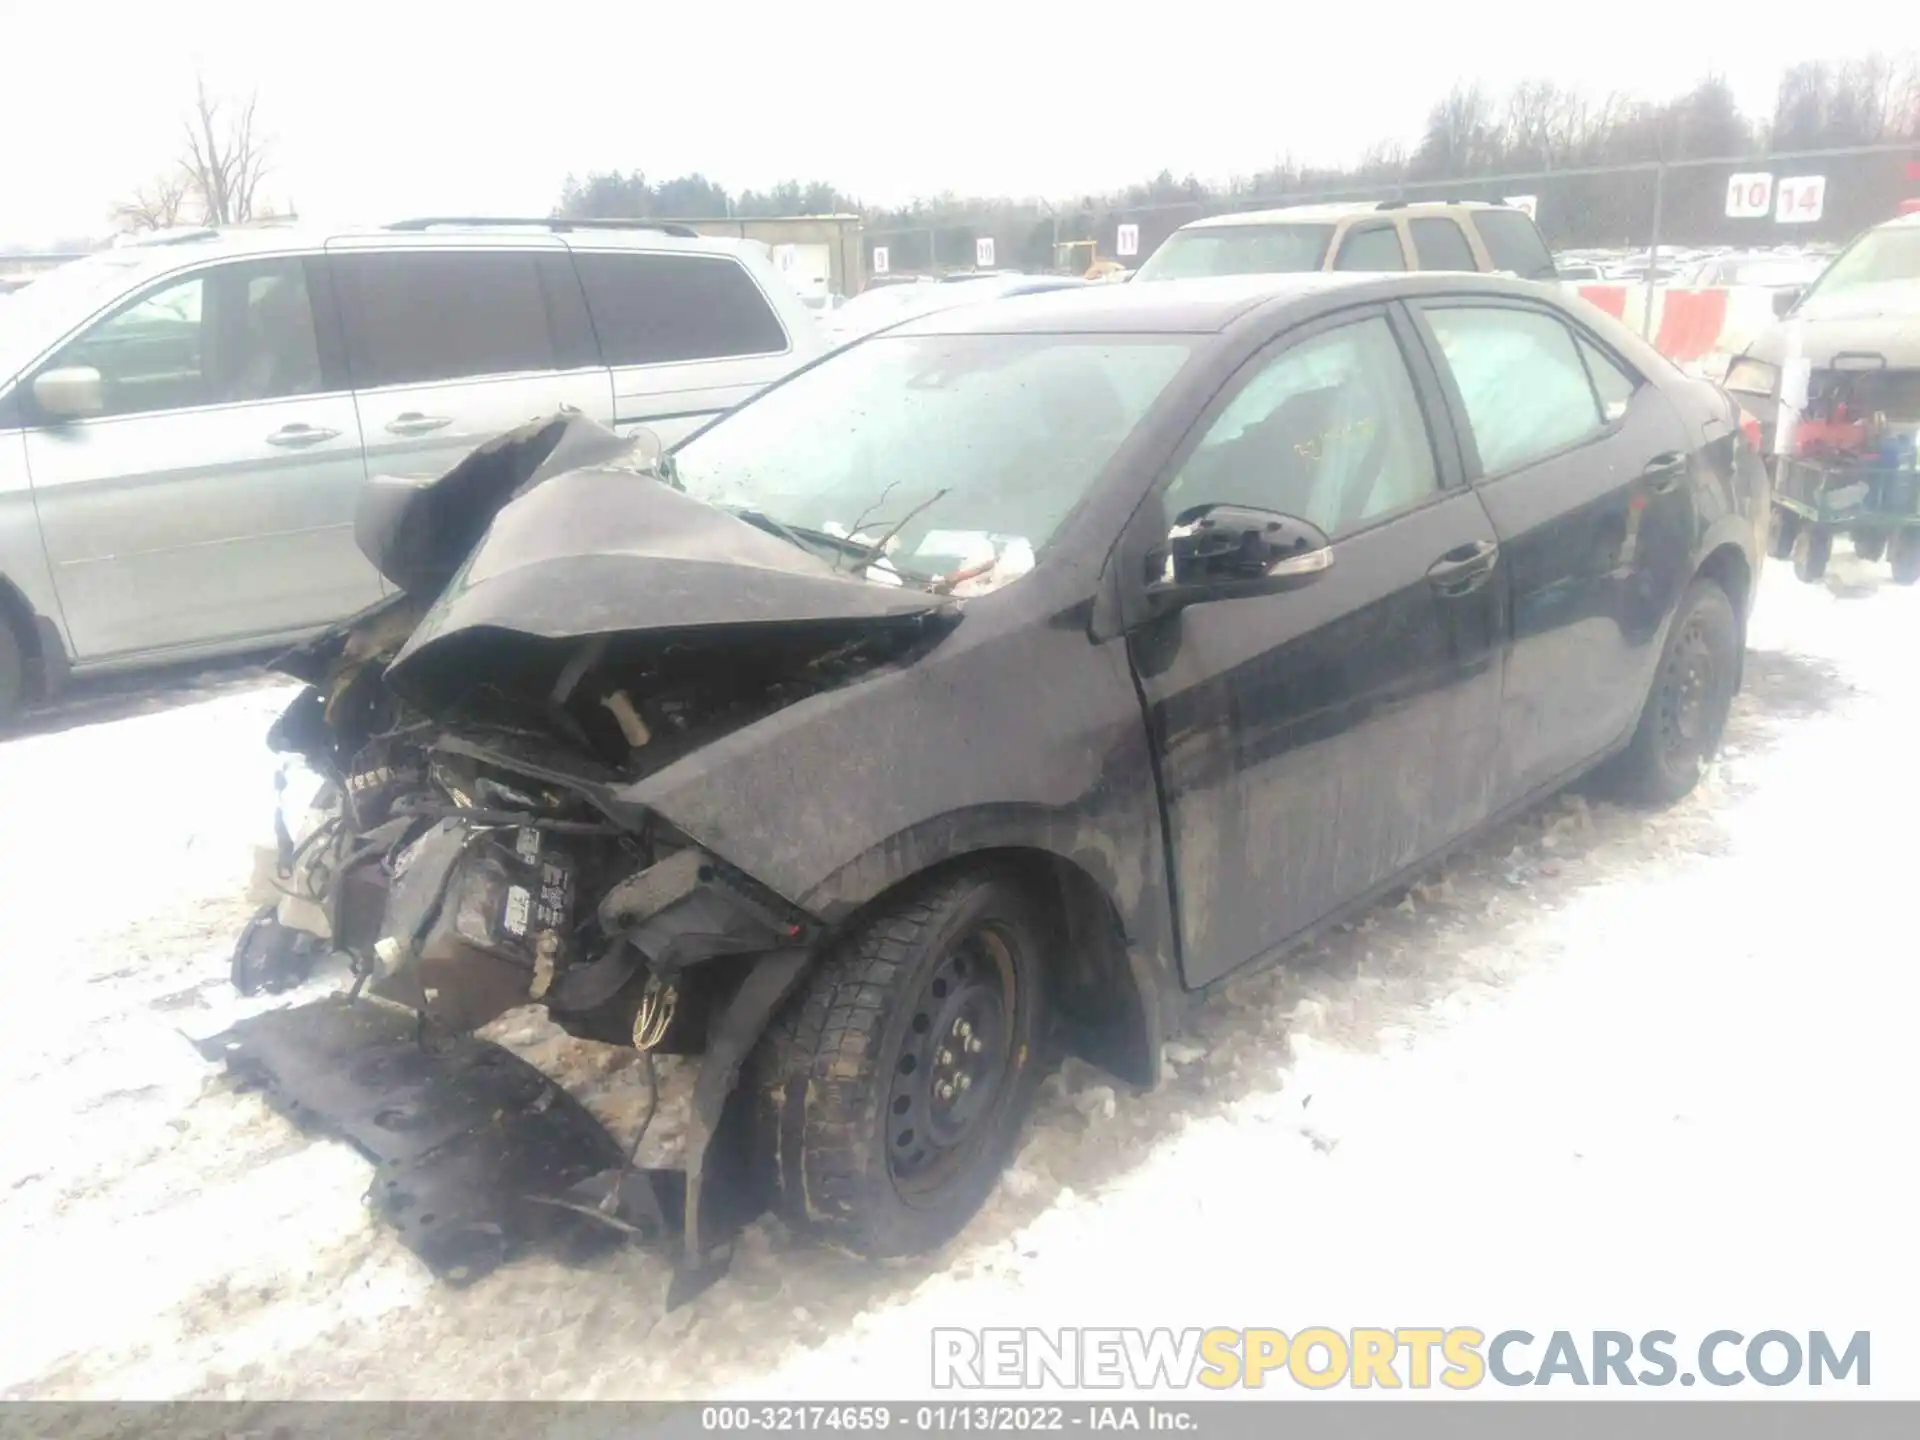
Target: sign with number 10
1749,197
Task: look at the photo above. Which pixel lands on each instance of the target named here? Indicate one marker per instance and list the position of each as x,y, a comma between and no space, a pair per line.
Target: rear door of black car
1583,464
1311,745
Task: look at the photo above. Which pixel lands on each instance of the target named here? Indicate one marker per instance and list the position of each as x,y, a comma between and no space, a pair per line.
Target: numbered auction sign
1749,197
1126,240
879,259
1802,199
983,252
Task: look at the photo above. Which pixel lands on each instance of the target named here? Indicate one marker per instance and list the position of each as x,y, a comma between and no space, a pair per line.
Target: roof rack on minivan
429,222
169,235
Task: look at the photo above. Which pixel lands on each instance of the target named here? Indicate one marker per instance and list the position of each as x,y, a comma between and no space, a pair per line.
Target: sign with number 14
1802,199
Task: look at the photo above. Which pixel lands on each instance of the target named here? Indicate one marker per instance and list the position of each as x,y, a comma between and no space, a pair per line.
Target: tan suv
1369,235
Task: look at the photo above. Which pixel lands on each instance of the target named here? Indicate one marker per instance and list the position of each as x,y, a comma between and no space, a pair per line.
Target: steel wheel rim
1686,695
953,1065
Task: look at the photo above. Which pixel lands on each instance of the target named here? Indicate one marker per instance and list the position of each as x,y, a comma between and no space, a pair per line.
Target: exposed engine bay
473,849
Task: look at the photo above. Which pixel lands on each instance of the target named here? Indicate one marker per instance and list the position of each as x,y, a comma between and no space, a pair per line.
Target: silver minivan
185,424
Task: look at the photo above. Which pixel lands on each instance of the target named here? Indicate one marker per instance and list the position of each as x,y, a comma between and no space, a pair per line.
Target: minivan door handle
1465,568
1664,471
294,437
414,423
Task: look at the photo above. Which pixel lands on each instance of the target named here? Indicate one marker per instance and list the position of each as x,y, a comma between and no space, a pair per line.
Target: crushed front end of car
566,622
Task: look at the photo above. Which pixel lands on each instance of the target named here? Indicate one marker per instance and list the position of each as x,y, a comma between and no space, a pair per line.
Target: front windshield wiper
806,538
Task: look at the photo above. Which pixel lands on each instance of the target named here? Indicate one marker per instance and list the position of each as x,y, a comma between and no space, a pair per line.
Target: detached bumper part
479,1157
469,1143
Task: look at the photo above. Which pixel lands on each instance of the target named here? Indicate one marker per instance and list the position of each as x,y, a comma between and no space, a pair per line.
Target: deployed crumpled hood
416,530
597,552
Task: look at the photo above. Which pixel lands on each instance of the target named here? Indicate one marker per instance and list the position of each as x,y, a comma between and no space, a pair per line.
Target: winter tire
893,1087
1686,708
1812,548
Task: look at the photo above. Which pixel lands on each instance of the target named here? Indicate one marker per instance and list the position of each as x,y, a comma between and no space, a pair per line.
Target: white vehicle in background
186,425
1762,269
877,308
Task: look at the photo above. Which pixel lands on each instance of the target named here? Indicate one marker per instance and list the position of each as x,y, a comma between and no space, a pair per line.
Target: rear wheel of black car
1870,545
1783,528
1812,549
892,1089
1686,710
13,674
1906,557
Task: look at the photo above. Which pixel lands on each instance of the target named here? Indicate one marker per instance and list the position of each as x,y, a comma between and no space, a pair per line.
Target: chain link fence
1812,197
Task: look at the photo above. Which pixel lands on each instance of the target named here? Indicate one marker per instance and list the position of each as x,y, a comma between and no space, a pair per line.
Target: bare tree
156,205
226,156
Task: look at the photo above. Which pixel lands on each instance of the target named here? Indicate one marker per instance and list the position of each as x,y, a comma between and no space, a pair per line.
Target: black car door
1583,465
1311,745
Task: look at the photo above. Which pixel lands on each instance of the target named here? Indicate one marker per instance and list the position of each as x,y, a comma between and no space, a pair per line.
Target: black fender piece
720,1196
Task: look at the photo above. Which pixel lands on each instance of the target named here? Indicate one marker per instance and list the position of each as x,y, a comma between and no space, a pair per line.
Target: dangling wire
650,1024
611,1204
655,1014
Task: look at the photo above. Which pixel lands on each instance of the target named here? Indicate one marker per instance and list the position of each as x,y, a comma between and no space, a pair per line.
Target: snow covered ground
1605,1071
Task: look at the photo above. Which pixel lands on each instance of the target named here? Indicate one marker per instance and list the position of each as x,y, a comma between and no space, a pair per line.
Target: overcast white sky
384,109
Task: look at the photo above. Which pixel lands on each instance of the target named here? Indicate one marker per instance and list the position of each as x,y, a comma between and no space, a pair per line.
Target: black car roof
1195,306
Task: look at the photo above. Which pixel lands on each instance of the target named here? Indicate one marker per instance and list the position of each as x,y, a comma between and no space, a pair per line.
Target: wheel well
1728,568
1102,1011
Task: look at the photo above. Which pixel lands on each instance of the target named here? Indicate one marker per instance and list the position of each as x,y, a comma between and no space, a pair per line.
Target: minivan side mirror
1785,299
71,393
1227,552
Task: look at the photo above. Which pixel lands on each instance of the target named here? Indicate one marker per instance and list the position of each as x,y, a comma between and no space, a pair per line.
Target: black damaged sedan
993,685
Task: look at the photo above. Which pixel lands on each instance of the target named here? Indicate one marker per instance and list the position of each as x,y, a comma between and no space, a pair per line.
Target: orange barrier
1694,328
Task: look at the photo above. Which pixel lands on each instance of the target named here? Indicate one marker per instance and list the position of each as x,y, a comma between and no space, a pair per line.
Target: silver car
185,425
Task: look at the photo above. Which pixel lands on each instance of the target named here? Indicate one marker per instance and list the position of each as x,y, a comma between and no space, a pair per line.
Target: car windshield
1238,250
1881,265
970,440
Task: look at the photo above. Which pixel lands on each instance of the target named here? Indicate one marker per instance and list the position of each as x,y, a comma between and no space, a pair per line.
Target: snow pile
1602,1070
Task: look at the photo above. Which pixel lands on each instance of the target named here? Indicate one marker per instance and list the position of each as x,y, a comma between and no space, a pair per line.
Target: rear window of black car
1513,243
654,309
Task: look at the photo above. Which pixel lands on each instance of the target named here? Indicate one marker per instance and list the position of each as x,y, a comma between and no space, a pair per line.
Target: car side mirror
70,393
1784,300
1227,552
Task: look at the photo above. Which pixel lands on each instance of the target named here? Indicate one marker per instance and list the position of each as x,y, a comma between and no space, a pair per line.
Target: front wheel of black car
892,1089
1686,710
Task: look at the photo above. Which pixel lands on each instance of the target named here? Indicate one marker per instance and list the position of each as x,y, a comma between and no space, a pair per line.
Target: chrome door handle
296,436
414,423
